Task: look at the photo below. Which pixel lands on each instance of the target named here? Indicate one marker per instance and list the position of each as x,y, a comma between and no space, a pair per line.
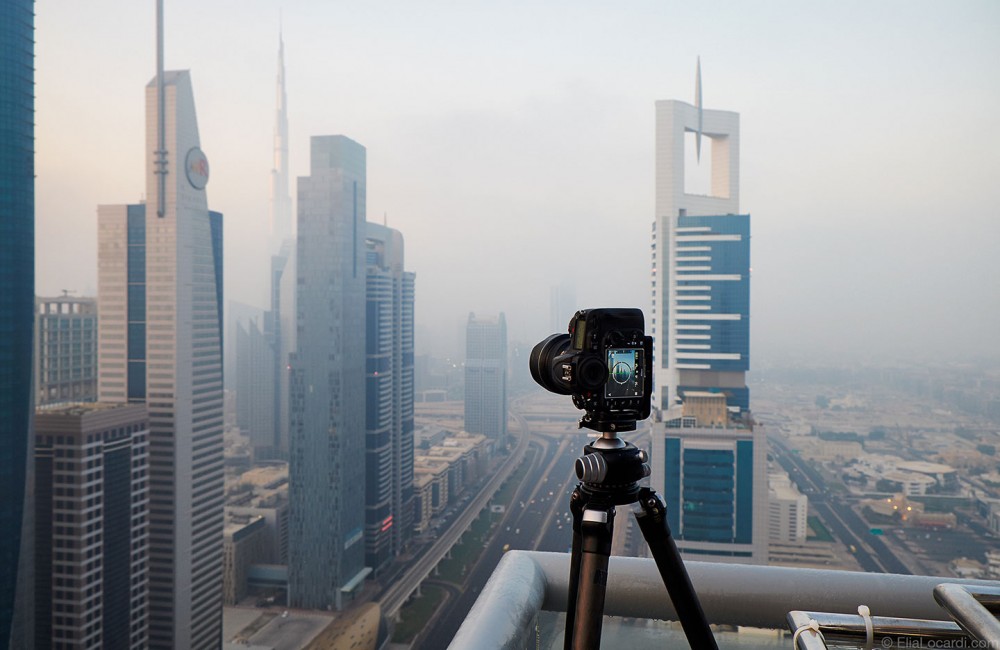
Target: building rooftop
83,408
925,467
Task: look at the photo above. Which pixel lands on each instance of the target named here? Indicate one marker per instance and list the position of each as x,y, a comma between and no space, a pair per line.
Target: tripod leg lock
650,505
597,528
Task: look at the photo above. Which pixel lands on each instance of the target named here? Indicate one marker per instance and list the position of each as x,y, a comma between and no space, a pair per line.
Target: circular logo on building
196,167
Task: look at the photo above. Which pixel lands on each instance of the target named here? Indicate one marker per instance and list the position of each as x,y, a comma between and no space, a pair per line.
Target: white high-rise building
160,301
708,461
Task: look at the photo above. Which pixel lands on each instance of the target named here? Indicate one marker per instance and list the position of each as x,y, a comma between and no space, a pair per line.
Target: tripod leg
596,530
577,503
653,524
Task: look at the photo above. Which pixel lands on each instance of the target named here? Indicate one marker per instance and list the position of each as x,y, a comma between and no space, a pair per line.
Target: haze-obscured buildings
264,340
256,383
486,377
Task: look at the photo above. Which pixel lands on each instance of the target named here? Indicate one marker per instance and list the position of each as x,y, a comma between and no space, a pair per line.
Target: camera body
605,362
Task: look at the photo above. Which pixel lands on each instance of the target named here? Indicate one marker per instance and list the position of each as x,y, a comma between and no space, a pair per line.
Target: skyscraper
255,384
264,342
326,560
281,200
486,377
562,306
17,301
160,341
283,322
92,545
708,461
283,277
388,396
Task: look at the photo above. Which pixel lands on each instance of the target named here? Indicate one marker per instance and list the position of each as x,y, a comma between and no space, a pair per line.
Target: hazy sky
512,144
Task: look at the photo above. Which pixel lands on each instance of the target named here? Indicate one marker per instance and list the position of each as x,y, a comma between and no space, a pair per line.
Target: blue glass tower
712,310
17,284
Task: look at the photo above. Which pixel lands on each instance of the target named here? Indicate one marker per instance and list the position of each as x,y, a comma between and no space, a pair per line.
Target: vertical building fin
697,103
160,163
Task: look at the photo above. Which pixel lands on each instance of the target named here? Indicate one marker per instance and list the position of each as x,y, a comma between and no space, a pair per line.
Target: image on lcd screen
624,373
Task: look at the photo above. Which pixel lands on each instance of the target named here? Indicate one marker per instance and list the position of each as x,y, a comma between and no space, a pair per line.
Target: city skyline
881,159
509,194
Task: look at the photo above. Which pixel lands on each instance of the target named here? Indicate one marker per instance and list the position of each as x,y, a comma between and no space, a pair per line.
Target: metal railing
973,608
527,582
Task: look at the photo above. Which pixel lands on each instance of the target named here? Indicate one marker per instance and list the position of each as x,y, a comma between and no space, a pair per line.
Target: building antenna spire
160,161
697,103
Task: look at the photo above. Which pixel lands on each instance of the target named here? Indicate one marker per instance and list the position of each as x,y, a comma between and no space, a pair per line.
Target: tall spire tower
281,201
701,328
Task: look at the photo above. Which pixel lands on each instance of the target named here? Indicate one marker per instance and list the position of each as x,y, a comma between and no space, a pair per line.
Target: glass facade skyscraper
711,273
326,474
17,289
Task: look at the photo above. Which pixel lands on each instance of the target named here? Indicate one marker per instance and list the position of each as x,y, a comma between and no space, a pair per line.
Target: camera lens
542,363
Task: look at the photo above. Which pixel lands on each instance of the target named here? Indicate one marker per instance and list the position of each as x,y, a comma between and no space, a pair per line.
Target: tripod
609,473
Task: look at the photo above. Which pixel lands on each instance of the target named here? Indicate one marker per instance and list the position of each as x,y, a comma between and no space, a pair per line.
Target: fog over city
512,145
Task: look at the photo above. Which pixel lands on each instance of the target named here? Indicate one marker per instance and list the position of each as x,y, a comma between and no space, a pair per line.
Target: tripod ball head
602,469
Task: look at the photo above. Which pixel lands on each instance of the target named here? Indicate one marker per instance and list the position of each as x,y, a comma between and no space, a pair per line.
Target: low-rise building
443,471
244,544
256,530
787,511
993,564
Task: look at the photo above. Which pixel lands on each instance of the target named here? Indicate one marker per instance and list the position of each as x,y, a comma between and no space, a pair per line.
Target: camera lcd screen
624,373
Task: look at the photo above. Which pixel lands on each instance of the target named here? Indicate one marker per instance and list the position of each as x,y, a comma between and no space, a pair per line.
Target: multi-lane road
870,551
536,520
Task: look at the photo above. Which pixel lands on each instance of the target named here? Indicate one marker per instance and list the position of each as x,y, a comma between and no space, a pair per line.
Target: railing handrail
730,594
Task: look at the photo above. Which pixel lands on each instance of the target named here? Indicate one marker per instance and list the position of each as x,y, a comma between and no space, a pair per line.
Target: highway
872,553
393,597
536,520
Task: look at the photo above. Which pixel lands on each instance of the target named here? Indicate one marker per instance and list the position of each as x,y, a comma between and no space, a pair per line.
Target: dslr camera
605,362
